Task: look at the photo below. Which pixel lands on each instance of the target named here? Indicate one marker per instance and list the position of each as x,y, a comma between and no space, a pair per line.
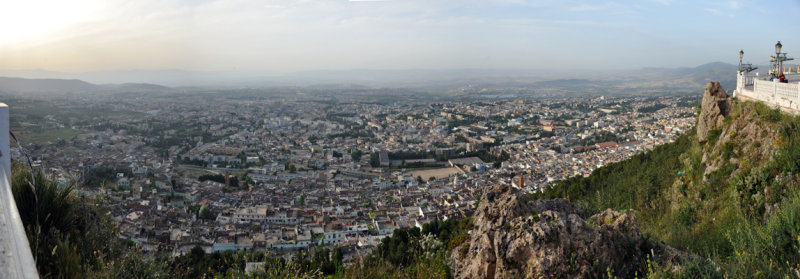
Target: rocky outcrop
517,238
750,137
715,106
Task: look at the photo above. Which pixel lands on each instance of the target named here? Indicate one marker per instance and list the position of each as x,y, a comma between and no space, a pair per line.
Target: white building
250,215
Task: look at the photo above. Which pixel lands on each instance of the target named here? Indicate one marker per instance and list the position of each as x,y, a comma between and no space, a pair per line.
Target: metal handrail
16,260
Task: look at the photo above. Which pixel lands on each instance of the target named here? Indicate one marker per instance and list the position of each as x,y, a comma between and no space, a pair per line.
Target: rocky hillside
727,195
516,237
734,138
724,133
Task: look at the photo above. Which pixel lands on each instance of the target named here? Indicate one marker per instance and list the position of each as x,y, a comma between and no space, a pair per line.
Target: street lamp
745,67
779,58
741,54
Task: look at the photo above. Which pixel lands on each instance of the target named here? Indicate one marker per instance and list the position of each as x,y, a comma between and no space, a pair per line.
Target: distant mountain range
24,85
44,85
149,81
716,71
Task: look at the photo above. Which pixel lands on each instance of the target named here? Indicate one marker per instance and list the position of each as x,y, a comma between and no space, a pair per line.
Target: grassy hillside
650,172
733,200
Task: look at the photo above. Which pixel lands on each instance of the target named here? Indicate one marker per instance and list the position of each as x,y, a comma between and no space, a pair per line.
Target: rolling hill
61,86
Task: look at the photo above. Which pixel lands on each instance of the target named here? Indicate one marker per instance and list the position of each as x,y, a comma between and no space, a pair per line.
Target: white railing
16,260
787,91
743,80
764,90
748,80
783,95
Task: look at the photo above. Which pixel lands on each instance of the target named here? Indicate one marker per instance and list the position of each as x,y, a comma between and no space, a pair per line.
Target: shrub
686,215
767,251
727,150
766,113
59,224
713,135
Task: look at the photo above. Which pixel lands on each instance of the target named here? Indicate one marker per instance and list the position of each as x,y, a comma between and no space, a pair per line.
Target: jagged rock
516,238
715,106
559,205
751,138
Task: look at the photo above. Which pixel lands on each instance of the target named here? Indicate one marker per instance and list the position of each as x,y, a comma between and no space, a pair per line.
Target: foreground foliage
68,234
414,253
744,217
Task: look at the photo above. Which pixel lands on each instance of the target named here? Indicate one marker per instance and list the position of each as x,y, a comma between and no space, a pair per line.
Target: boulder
514,237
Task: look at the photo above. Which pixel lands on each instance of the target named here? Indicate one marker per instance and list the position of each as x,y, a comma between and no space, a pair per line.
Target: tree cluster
234,181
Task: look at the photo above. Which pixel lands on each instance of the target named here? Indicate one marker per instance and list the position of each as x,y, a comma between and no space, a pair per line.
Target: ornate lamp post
745,67
779,63
741,54
779,58
742,76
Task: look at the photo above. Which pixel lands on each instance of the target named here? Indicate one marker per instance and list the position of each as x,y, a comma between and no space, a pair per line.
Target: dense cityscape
286,173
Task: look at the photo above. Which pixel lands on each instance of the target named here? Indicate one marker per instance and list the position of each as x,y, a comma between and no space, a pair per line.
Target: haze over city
275,37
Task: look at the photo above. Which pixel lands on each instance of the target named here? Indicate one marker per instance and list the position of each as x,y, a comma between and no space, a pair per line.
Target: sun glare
30,21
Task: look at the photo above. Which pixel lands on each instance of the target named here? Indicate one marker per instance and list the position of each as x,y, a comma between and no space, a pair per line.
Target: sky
275,36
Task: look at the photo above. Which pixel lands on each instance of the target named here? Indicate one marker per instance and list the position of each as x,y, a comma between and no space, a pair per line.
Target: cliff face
735,138
746,134
714,107
517,238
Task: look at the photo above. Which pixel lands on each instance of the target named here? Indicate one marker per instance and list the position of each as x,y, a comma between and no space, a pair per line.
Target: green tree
356,154
374,160
205,213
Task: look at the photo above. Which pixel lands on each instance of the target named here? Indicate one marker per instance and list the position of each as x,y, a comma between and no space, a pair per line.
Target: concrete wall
786,96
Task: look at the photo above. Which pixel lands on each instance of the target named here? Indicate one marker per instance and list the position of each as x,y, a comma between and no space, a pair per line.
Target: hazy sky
284,36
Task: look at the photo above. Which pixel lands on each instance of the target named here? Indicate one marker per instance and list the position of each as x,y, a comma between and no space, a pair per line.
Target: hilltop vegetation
607,186
733,199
